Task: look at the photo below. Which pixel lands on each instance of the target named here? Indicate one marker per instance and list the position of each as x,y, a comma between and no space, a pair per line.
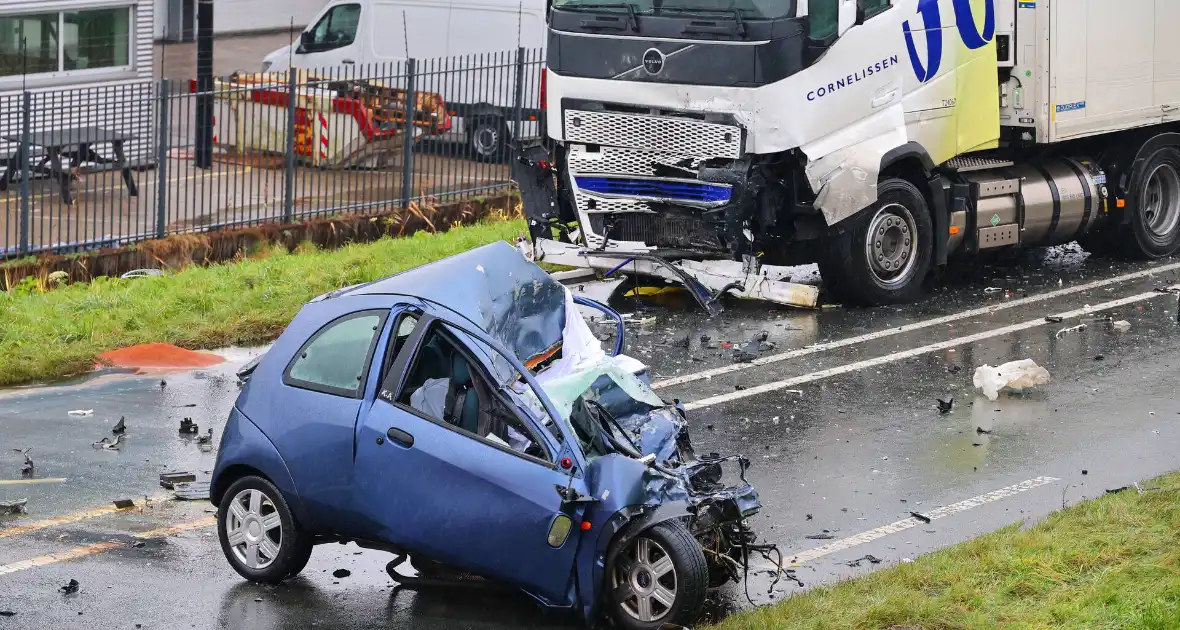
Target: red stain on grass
159,355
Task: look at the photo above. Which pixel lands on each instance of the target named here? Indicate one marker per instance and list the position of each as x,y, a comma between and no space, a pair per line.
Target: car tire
1154,229
659,578
259,535
487,139
892,268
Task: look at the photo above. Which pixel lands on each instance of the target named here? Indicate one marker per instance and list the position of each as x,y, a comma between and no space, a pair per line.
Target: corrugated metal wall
119,101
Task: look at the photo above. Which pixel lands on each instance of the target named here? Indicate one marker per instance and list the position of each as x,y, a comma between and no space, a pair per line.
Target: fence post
518,101
409,132
162,148
25,154
289,161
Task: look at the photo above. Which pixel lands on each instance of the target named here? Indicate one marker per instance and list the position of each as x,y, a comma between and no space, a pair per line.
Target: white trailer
881,139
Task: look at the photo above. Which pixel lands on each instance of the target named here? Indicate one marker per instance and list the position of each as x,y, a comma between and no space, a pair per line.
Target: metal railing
110,165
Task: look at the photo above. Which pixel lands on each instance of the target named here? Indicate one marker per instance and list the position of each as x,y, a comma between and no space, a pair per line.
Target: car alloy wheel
647,574
254,529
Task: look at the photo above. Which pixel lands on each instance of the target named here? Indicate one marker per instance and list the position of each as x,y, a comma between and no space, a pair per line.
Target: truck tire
882,255
1154,229
658,580
487,138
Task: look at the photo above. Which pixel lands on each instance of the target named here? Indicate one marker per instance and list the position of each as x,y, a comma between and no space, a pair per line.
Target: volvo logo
653,61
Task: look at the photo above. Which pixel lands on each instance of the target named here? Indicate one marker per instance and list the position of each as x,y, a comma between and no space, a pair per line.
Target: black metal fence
111,165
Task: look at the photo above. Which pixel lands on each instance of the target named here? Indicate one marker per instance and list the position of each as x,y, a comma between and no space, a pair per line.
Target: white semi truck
882,139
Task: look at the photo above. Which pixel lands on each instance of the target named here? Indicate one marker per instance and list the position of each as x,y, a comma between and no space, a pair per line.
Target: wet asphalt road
846,441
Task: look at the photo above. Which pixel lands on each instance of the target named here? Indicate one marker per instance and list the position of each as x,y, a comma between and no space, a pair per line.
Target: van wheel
259,534
1154,231
883,255
487,139
658,579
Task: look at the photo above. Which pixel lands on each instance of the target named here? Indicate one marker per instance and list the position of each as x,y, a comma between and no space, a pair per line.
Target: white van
466,51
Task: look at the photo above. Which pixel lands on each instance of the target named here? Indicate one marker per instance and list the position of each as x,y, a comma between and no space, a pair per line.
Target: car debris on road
945,406
70,588
188,426
81,413
109,444
1015,376
120,427
481,385
28,467
19,506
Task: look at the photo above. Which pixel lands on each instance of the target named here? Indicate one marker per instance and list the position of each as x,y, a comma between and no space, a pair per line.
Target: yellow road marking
68,518
97,548
21,482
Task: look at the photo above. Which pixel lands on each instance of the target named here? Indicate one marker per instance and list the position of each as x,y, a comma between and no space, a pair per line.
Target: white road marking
938,321
908,354
844,544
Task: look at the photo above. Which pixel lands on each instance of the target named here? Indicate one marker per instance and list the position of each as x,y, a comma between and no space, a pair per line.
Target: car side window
445,385
338,28
336,360
872,8
823,19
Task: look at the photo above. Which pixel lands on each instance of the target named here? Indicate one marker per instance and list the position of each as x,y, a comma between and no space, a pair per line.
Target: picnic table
76,145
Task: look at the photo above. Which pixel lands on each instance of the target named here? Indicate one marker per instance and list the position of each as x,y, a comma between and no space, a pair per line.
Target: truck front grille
657,230
659,189
679,136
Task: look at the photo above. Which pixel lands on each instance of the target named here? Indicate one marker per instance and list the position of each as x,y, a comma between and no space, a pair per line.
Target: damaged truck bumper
707,280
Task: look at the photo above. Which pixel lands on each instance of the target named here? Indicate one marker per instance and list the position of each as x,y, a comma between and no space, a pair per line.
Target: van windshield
750,9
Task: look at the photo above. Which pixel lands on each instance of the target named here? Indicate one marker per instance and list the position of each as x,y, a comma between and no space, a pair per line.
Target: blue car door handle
401,437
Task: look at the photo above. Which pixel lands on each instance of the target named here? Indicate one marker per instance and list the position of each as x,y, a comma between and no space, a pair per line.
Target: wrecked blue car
463,416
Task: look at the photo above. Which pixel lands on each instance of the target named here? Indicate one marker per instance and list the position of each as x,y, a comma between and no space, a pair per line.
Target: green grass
1109,563
45,336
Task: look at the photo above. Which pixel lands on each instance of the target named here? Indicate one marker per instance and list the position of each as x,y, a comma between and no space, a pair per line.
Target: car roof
495,288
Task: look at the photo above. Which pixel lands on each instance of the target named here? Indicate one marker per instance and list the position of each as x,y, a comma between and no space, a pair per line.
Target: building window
46,43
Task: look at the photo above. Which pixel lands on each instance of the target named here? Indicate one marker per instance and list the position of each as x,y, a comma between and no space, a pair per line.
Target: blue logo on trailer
1071,107
932,24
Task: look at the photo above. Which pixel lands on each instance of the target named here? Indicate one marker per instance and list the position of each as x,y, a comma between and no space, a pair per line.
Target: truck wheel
488,139
1154,231
882,256
660,578
258,533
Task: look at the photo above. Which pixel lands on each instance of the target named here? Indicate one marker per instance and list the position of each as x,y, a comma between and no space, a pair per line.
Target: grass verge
45,336
1109,563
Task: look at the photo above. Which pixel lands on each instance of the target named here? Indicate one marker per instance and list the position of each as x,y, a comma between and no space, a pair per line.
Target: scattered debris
141,273
753,348
921,517
124,504
195,491
946,406
982,431
26,469
977,444
955,369
1085,472
188,406
1118,490
824,536
109,444
991,290
1100,357
1066,331
810,517
7,613
870,558
82,412
188,426
163,384
709,427
14,507
169,480
341,573
1121,325
1054,319
207,439
139,544
120,426
1015,376
69,589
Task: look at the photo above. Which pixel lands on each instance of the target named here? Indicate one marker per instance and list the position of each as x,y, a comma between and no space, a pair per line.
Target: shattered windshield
750,9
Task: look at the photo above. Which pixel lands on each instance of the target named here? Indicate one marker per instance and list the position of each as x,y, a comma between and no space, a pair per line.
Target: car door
431,482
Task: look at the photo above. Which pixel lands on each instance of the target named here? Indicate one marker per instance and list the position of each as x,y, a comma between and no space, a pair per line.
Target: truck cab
881,139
